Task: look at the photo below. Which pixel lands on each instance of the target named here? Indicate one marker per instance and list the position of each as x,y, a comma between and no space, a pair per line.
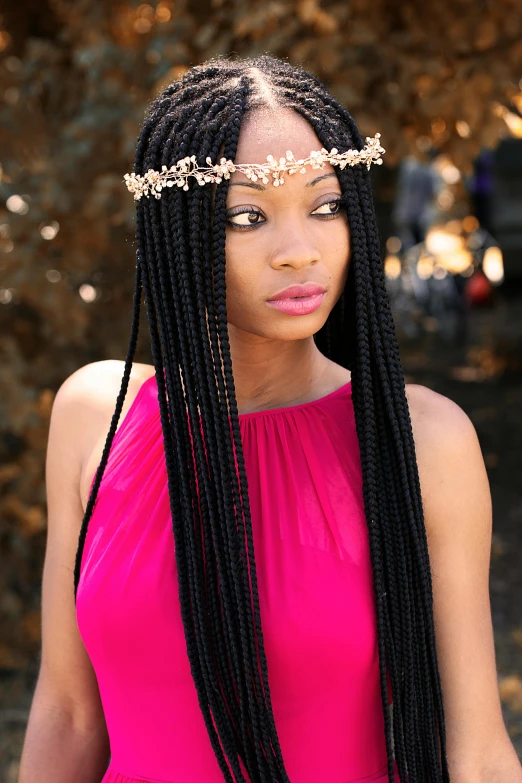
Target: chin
287,327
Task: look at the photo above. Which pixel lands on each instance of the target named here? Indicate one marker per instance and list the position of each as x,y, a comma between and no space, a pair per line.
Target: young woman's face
283,236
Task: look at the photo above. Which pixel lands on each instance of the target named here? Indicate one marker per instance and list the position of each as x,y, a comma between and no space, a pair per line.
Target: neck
277,373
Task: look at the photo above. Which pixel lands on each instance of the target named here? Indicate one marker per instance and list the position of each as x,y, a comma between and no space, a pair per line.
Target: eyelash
256,211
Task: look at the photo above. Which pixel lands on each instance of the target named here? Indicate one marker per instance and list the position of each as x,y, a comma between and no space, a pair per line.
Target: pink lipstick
298,299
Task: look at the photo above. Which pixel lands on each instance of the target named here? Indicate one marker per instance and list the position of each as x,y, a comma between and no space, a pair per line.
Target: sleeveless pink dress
315,591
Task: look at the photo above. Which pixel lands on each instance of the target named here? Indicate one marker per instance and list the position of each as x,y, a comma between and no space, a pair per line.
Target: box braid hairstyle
180,267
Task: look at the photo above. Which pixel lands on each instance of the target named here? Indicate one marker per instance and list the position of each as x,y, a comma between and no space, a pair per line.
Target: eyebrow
257,186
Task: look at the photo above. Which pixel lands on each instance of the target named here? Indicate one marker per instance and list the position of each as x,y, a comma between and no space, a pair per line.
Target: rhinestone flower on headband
154,181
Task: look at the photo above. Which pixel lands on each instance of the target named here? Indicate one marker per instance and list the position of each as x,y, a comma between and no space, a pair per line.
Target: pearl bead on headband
154,181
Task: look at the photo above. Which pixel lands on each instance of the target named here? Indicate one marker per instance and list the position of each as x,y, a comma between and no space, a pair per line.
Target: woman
272,427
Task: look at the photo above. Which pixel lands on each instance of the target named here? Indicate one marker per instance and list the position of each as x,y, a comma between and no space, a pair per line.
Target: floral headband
154,181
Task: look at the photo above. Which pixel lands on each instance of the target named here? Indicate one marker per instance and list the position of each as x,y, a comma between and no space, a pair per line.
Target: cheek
345,266
339,256
242,287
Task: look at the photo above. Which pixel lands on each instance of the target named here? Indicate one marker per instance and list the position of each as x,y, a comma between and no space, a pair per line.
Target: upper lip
304,289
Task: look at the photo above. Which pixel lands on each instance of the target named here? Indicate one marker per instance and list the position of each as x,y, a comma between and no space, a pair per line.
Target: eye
333,208
246,217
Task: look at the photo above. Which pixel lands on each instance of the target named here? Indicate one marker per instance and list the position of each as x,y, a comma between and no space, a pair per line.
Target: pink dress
315,591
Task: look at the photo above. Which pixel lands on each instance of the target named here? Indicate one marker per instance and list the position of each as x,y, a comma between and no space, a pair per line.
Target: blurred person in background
481,186
413,208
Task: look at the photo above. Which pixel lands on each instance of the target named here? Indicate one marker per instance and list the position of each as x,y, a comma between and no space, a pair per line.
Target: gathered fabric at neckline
345,388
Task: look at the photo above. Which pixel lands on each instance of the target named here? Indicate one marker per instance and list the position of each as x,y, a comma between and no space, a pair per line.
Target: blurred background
442,83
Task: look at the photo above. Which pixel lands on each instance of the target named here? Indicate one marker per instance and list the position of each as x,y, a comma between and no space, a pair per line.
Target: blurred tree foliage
75,78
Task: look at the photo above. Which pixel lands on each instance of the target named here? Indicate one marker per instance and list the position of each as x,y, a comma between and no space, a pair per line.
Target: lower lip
301,306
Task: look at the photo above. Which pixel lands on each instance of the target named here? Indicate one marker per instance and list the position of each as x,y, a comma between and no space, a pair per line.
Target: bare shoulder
448,452
436,417
93,387
83,408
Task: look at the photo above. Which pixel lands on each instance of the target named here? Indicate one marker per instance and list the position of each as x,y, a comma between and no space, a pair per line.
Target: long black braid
180,268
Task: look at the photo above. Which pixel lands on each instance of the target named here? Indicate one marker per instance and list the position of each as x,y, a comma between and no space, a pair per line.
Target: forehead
272,132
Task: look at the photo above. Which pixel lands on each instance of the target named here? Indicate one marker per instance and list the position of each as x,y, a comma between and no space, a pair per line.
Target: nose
294,249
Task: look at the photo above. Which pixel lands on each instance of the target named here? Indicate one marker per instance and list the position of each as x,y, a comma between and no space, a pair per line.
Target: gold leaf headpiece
154,181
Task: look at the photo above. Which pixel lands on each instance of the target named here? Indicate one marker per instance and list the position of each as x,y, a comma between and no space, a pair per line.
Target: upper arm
66,680
458,517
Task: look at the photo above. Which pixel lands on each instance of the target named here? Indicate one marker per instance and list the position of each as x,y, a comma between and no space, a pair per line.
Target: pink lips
298,299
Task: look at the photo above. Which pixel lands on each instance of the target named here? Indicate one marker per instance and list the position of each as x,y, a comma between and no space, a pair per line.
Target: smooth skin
276,236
